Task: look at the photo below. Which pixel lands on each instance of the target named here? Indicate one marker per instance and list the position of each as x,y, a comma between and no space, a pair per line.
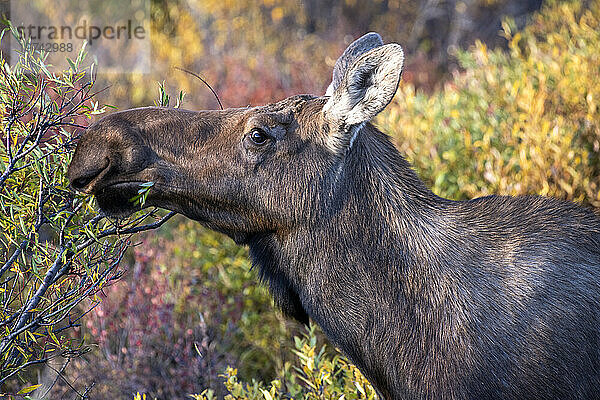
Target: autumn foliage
189,316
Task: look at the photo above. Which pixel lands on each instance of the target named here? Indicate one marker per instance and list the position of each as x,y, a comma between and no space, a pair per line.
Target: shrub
189,306
526,121
57,251
316,375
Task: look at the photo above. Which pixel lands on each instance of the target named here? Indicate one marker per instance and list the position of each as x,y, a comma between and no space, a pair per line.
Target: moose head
495,297
243,171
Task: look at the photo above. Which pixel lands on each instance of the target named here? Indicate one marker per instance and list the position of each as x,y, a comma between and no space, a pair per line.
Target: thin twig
15,255
22,367
203,81
34,301
58,375
128,231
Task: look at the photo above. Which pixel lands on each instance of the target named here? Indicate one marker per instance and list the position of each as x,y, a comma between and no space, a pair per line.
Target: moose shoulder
492,298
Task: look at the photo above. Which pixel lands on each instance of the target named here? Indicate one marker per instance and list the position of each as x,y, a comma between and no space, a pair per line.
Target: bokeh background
498,96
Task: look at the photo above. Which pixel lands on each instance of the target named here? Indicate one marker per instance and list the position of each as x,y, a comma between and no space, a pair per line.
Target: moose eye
258,136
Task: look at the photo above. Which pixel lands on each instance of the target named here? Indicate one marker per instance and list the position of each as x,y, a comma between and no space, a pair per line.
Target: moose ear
360,46
367,87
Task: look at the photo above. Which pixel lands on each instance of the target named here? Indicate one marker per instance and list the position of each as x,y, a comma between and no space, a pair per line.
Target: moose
490,298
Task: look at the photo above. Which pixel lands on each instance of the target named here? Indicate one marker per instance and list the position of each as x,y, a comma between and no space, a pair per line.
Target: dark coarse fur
495,297
491,298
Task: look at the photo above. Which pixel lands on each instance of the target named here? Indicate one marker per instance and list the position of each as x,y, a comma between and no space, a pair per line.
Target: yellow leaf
360,388
53,336
266,394
32,336
277,14
28,389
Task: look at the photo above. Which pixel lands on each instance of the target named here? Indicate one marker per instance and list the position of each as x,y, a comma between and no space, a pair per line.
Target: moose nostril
82,182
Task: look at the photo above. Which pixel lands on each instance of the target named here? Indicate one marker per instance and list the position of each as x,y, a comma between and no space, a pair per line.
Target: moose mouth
116,199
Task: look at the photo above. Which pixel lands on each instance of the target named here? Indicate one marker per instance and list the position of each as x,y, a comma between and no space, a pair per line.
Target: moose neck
356,269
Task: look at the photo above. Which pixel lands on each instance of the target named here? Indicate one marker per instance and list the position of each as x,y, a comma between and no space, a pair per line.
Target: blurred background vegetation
497,97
